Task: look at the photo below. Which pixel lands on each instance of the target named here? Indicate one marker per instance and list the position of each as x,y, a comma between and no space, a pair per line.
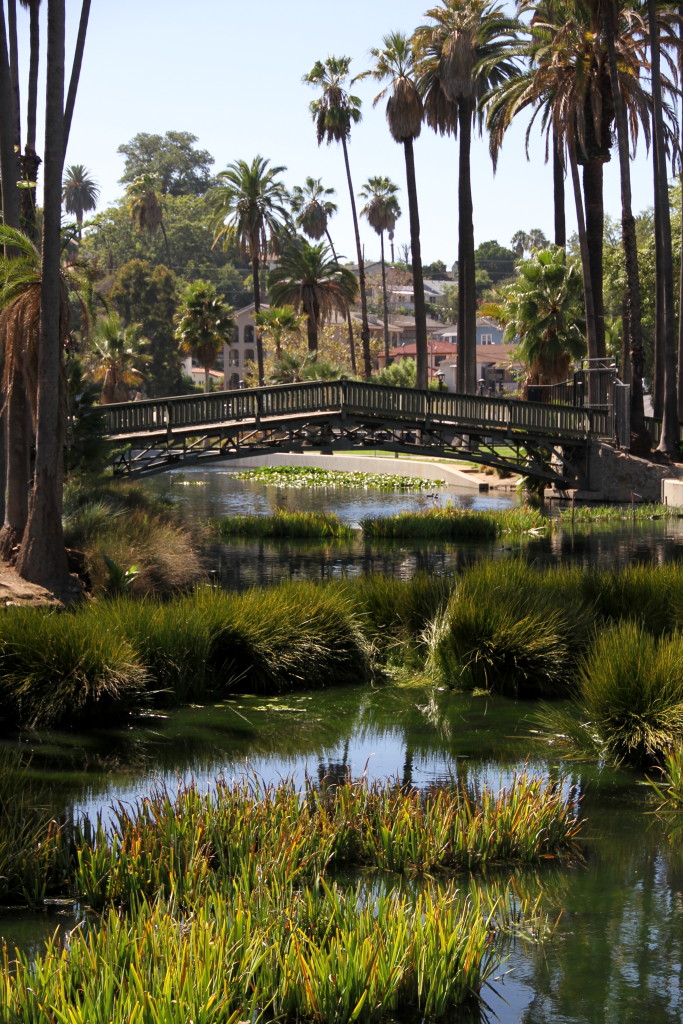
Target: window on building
234,381
249,335
486,339
234,358
248,355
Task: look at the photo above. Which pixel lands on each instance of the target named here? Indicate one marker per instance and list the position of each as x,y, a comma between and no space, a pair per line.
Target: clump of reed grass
631,695
450,523
647,594
511,629
66,669
618,513
326,956
284,524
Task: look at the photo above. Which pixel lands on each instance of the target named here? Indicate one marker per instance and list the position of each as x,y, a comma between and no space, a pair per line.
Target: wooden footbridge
545,441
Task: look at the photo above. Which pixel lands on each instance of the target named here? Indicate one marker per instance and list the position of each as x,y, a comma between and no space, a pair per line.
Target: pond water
616,953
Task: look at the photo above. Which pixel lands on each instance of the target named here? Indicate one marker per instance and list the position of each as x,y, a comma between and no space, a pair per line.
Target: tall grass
618,513
450,523
511,629
283,524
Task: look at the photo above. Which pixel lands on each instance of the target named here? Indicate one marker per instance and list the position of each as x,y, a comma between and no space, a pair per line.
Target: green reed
283,525
450,523
618,513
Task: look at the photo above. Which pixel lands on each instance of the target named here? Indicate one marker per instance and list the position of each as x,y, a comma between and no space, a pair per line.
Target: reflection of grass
618,513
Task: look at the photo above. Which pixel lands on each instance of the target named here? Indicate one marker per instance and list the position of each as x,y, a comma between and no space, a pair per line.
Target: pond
615,954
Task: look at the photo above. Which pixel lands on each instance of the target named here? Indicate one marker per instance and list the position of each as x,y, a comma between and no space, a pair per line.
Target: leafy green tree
466,51
180,168
396,62
308,279
116,357
148,296
203,324
382,211
497,262
543,308
80,193
249,208
292,369
334,112
436,271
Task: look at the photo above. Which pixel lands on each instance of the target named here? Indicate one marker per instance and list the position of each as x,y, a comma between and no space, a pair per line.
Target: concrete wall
615,475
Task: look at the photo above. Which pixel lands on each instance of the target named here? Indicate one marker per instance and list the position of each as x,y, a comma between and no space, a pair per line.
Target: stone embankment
617,476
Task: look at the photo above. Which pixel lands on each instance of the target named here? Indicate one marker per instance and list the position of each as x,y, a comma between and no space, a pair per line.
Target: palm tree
279,321
396,63
310,280
334,113
465,54
144,205
80,192
203,324
249,209
313,209
114,351
382,211
542,307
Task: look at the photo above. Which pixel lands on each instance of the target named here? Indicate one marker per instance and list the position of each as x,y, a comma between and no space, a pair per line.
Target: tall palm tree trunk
16,438
42,558
257,309
467,295
583,247
416,257
14,69
680,283
385,307
349,321
75,76
365,328
633,314
595,226
558,192
664,261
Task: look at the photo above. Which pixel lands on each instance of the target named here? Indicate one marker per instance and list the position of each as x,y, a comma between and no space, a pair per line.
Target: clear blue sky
230,72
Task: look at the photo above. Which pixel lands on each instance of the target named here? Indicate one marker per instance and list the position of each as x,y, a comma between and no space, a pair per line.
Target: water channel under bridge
545,441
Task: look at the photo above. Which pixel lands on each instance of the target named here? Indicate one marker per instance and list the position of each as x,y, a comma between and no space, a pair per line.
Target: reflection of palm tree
310,280
382,211
404,115
334,113
248,205
80,192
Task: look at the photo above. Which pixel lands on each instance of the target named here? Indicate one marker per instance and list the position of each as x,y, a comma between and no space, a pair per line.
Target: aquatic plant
618,513
315,476
283,524
450,523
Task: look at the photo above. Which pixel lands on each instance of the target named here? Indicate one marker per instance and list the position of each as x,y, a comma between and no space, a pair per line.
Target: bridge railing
416,408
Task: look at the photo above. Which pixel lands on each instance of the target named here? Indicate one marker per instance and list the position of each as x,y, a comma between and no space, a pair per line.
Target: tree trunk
365,328
680,282
467,293
416,257
17,447
385,307
42,558
585,265
32,105
632,318
349,322
595,227
257,309
664,262
558,192
75,76
14,69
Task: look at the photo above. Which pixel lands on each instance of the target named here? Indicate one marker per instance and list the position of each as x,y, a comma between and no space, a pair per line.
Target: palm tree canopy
395,62
249,206
312,207
144,205
336,110
278,319
203,322
543,308
381,208
80,192
308,278
567,82
468,51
